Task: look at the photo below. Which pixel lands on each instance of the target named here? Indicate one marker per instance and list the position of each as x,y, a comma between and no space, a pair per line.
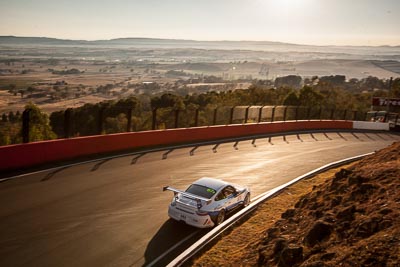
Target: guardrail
210,236
36,153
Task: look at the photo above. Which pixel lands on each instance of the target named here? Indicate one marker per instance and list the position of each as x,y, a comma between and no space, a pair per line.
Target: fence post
176,118
365,116
129,117
284,113
246,114
345,114
215,116
154,121
354,115
196,118
67,122
25,125
296,116
332,114
273,114
308,113
260,114
231,117
320,113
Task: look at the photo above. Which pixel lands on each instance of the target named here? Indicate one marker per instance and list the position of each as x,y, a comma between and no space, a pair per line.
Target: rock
385,224
288,214
272,232
328,256
319,213
340,175
382,191
342,230
302,202
385,211
340,188
318,233
315,205
336,201
261,258
368,227
362,192
280,244
346,214
356,179
329,218
290,256
367,188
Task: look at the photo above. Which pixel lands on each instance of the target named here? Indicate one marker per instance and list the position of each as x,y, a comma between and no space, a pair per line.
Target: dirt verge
348,216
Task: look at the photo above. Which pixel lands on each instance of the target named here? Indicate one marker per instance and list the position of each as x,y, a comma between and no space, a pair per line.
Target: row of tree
39,127
136,113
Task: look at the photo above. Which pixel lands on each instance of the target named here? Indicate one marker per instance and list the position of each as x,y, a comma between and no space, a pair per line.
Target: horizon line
198,40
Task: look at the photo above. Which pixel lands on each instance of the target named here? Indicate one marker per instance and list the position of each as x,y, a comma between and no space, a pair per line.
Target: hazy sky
323,22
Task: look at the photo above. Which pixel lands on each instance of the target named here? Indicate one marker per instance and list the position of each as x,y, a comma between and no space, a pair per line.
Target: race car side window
226,192
220,196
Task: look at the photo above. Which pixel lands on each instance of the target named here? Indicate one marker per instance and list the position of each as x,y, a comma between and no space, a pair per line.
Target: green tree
373,83
395,90
39,124
309,97
12,117
17,115
117,124
12,89
31,89
4,139
291,99
4,118
22,92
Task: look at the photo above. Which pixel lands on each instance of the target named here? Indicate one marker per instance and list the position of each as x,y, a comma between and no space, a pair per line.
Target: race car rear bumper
192,218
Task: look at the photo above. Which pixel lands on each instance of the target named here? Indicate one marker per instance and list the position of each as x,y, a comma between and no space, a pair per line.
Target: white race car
206,202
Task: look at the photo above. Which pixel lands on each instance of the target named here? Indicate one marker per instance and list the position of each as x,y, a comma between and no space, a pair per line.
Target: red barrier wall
26,155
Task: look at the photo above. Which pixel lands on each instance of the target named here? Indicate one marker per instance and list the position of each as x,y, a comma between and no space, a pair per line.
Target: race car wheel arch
220,217
246,201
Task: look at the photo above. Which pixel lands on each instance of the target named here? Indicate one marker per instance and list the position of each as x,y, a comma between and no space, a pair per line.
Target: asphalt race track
113,212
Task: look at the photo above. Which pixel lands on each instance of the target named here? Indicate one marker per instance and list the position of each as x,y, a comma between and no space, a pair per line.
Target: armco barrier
207,238
368,125
31,154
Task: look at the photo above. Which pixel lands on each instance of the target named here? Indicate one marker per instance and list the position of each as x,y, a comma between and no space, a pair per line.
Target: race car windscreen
200,190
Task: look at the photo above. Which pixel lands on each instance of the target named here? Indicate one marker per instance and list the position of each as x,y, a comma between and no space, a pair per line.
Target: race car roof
211,183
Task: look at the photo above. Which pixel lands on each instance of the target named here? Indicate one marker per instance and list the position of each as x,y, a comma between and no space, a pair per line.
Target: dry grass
239,247
346,217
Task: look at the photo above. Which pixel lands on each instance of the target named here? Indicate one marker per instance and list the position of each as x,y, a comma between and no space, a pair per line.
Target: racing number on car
183,217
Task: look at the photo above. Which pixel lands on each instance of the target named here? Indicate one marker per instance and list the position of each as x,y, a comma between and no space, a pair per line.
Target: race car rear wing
188,195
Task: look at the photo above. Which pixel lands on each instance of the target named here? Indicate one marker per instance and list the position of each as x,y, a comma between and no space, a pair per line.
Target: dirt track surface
350,219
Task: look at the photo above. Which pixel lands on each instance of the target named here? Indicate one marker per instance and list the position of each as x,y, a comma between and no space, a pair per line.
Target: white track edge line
172,248
205,143
192,250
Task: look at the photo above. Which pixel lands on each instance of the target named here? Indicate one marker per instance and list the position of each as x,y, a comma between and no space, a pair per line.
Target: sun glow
286,6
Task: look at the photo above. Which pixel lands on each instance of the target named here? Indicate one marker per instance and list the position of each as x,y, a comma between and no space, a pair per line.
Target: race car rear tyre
220,217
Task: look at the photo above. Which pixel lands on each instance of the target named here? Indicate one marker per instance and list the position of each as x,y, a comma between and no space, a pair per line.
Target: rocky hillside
352,219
